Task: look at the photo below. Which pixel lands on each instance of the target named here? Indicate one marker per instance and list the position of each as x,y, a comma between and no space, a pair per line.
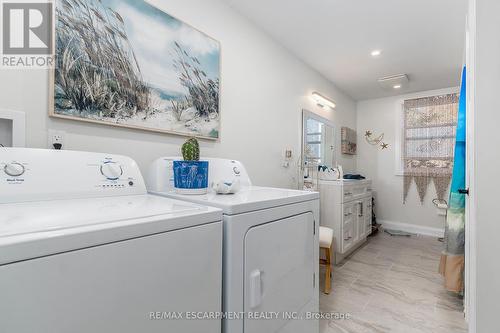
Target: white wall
484,189
264,89
382,116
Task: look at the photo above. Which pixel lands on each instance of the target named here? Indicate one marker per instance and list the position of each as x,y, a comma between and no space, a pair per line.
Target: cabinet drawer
355,191
348,192
347,236
348,213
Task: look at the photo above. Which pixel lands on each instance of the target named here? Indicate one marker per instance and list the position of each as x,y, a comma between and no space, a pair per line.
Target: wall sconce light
323,101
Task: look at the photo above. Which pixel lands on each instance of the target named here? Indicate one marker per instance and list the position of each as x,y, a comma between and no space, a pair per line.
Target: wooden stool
325,243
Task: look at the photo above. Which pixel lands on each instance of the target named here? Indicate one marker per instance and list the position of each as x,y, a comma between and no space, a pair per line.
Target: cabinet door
359,220
364,217
361,216
368,216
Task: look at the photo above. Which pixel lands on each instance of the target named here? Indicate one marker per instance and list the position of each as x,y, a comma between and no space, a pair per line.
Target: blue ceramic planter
191,177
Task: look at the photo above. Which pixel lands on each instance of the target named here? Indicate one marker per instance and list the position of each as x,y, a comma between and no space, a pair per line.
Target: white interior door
279,272
115,287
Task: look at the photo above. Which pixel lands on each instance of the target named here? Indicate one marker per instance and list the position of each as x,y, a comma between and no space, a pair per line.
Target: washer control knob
14,169
111,170
236,170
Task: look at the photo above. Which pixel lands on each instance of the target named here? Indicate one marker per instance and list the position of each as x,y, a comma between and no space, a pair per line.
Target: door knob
463,191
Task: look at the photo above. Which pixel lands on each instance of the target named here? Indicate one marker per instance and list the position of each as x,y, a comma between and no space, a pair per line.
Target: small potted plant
191,174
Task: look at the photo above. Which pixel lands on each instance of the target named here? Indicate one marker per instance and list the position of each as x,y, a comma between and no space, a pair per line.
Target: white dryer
270,249
84,248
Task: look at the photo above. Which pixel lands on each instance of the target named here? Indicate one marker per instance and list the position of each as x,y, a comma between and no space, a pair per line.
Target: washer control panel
111,170
113,174
40,174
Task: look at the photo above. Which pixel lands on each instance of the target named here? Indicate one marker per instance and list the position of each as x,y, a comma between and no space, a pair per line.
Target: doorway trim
470,300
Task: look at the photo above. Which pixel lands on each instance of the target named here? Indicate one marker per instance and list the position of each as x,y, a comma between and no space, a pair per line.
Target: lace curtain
429,137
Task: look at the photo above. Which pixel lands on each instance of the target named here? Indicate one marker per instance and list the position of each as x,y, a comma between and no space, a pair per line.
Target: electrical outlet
56,139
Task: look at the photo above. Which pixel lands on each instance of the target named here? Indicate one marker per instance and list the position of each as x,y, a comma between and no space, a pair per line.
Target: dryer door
279,273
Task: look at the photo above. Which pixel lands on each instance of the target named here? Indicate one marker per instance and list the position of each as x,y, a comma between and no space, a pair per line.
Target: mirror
318,140
318,147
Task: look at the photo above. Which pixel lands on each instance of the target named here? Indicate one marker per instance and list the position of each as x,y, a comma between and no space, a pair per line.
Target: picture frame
129,85
348,141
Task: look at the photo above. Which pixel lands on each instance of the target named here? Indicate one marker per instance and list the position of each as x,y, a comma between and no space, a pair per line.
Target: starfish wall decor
376,141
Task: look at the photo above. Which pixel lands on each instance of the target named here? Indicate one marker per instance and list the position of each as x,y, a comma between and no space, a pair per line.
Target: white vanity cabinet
346,207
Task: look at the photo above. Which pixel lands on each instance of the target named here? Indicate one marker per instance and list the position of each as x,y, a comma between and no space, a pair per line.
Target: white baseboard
412,228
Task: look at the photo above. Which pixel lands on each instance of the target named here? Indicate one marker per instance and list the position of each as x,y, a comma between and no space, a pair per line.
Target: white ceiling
422,38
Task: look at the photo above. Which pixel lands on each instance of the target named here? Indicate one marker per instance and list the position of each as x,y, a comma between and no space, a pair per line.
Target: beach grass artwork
127,63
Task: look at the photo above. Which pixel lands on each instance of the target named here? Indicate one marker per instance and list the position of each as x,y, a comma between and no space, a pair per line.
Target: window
427,142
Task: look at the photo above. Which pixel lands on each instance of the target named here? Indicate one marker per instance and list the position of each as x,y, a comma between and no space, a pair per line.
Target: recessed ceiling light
397,86
376,53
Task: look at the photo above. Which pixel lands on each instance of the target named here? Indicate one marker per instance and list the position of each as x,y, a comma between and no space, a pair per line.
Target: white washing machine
270,249
84,248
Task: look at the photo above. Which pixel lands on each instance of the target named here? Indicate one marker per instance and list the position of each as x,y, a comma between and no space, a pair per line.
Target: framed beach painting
127,63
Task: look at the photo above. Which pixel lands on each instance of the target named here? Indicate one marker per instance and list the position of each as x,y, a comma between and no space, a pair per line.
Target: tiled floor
392,285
